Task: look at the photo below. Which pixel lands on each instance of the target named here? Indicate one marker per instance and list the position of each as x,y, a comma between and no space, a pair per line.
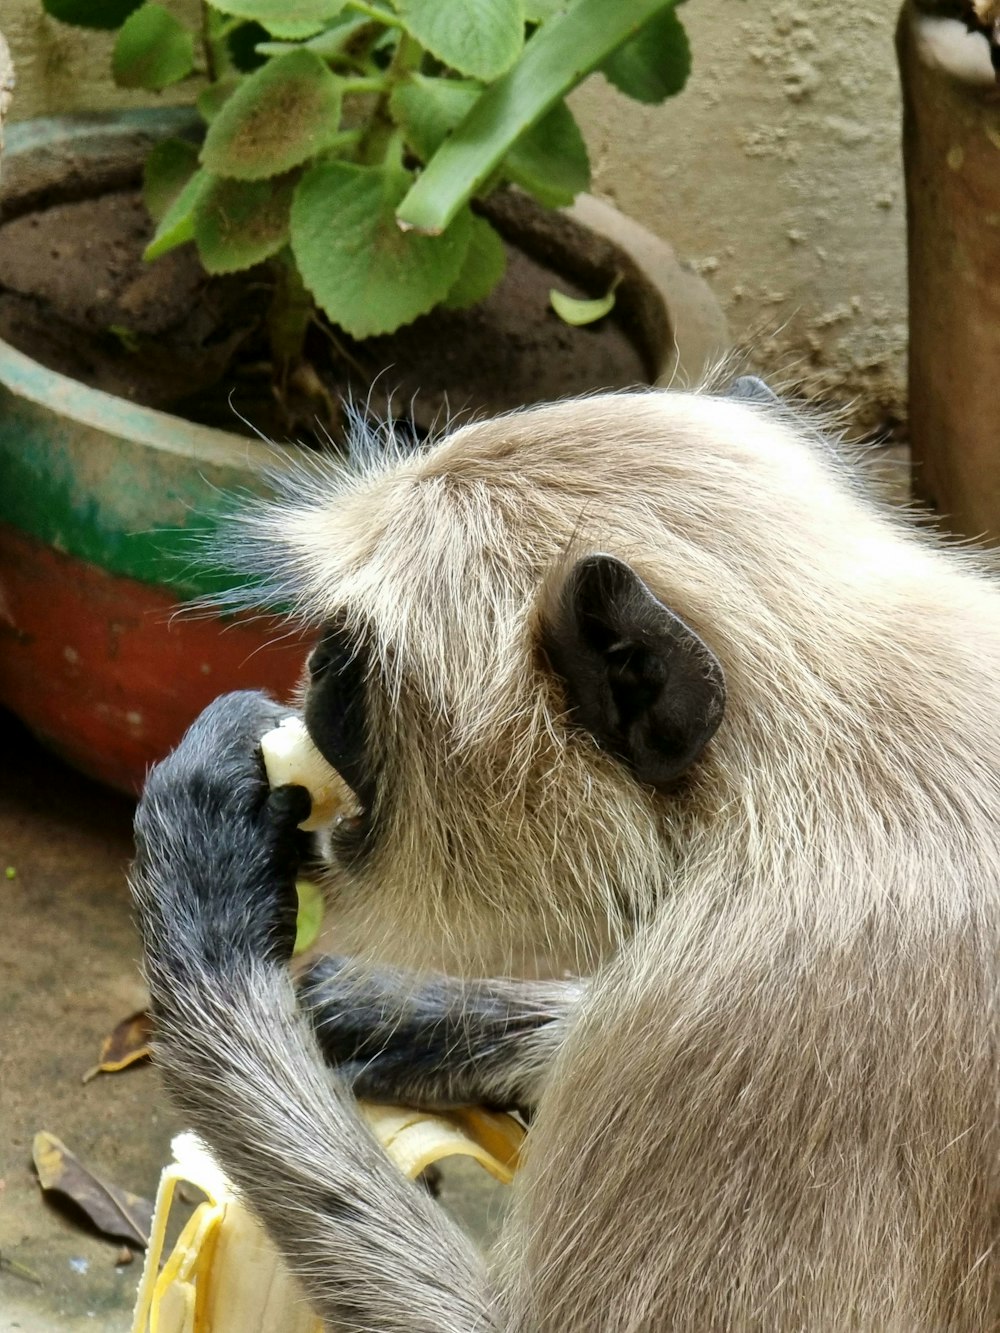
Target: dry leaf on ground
126,1045
113,1211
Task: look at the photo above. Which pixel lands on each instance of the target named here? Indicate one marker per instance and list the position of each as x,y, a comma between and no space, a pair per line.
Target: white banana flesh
291,758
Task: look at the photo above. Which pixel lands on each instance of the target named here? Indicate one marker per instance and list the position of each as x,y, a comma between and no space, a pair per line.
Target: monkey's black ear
637,678
749,387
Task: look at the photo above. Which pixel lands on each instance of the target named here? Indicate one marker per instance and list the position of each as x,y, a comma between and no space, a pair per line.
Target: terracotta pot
951,138
100,499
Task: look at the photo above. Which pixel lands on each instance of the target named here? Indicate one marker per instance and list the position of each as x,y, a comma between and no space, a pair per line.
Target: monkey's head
551,649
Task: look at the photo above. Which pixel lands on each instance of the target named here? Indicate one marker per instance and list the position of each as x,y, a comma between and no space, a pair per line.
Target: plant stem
207,44
383,16
214,31
364,84
288,316
378,143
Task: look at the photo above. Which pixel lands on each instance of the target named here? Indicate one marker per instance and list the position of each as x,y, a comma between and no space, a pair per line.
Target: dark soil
76,295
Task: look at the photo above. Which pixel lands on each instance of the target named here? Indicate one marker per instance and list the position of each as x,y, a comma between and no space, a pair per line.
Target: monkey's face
530,838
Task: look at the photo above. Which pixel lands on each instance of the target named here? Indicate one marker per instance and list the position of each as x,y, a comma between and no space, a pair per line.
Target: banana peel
223,1275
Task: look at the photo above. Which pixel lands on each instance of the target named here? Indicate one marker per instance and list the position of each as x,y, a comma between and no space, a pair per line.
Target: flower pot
101,499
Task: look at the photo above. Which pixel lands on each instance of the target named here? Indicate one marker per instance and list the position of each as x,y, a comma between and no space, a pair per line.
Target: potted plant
357,180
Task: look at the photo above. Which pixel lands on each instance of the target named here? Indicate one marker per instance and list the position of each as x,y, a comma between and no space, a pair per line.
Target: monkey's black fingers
439,1041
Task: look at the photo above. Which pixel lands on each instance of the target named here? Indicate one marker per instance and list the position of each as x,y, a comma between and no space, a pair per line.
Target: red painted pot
99,501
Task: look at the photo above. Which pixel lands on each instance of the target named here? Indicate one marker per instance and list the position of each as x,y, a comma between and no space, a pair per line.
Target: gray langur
646,689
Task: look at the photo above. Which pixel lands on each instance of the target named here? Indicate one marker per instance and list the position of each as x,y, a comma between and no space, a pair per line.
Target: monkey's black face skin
217,850
336,717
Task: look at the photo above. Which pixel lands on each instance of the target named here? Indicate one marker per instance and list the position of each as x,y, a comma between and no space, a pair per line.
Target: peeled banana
223,1275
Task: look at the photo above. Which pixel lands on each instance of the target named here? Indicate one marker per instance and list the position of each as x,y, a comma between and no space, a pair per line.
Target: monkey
677,763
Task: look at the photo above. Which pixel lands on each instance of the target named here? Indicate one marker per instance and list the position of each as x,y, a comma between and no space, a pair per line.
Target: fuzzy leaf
330,42
241,223
478,37
91,13
540,11
214,97
550,160
368,275
177,224
283,114
655,63
169,166
429,109
557,56
483,267
153,50
289,19
576,311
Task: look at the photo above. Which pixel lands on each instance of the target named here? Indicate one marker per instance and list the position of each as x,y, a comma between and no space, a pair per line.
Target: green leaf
429,109
556,58
655,63
368,275
280,116
483,267
550,160
214,97
576,311
241,223
330,42
540,11
284,18
169,166
309,917
478,37
91,13
177,224
153,50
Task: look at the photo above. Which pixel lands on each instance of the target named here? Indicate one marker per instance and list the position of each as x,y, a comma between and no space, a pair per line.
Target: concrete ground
68,974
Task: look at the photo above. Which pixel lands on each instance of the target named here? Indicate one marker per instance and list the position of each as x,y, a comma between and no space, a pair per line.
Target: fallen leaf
578,312
113,1211
126,1045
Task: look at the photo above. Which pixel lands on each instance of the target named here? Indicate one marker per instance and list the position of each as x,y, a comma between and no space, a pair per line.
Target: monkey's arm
214,887
440,1041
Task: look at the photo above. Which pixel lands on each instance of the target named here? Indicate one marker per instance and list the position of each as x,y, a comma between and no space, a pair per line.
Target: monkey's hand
437,1041
218,851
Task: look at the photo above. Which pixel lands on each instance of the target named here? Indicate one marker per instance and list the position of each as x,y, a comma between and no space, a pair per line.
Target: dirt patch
76,295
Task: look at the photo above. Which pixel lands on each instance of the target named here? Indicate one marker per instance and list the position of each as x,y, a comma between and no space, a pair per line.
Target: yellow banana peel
223,1275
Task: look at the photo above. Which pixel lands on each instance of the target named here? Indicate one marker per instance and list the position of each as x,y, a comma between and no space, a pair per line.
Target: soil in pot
76,295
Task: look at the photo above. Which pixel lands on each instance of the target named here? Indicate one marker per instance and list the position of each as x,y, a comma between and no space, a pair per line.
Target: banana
223,1275
291,757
